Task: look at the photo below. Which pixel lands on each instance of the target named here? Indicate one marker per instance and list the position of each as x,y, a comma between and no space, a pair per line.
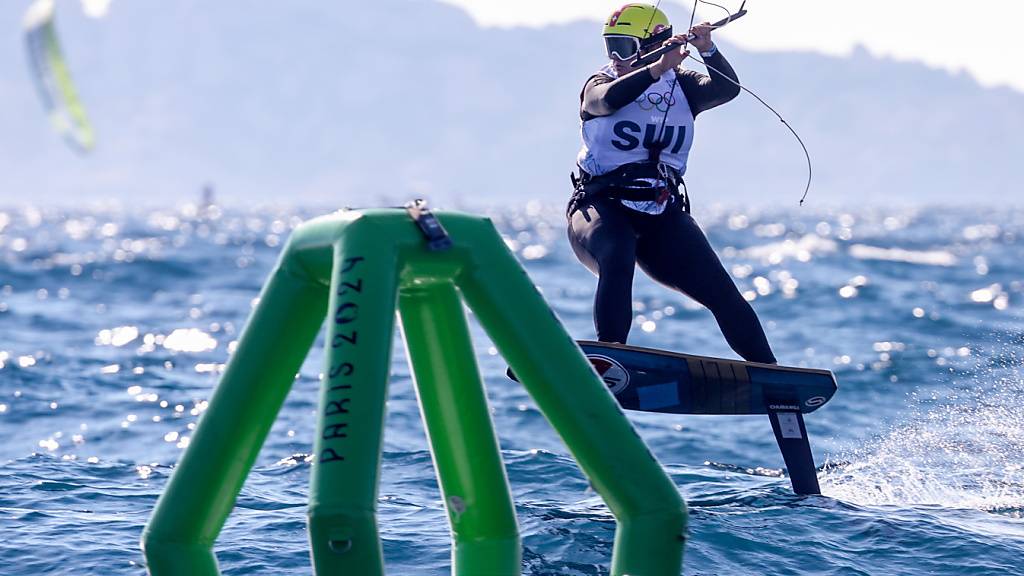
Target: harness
629,182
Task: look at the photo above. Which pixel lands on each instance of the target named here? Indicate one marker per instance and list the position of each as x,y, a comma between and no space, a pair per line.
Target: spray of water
965,453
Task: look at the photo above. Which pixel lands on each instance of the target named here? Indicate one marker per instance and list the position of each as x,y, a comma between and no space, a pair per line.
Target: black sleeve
705,92
603,95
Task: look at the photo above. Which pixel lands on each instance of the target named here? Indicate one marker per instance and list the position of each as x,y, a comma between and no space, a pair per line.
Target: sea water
116,322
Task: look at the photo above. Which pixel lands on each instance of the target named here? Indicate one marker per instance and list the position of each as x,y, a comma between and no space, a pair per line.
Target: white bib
625,136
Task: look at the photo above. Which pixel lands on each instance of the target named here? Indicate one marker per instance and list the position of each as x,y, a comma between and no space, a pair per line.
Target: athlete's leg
603,239
674,251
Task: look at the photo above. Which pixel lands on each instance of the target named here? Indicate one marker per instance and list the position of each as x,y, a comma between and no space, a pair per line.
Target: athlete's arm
603,95
704,92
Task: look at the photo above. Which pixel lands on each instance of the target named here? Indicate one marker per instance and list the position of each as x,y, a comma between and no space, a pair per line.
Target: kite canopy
53,81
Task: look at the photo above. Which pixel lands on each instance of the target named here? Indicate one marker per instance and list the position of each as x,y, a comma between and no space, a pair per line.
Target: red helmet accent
615,15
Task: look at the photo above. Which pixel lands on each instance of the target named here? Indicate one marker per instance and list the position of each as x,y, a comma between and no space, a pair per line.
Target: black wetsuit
610,239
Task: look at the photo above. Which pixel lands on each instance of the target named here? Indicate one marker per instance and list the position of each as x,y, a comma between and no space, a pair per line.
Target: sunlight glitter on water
924,257
117,337
993,294
802,250
189,340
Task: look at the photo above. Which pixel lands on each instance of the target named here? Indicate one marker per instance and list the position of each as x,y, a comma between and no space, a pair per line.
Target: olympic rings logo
661,101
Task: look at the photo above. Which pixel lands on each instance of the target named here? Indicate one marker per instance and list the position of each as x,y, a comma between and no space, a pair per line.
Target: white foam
925,257
964,455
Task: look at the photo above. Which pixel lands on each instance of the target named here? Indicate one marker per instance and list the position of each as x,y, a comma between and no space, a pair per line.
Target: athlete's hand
702,36
671,59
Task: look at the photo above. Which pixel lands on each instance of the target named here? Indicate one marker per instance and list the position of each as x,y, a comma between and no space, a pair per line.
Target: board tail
791,434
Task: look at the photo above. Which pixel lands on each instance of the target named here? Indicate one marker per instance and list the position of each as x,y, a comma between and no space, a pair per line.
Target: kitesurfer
627,207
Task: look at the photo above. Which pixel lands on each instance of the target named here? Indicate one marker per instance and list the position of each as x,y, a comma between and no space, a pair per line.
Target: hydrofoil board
660,381
653,380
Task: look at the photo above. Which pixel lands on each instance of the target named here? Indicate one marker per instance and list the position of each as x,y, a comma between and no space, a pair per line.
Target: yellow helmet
640,21
635,28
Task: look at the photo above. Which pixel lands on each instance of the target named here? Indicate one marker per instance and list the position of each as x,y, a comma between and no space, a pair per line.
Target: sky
977,36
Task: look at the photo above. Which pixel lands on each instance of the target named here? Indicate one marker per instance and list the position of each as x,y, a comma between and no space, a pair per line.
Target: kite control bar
652,56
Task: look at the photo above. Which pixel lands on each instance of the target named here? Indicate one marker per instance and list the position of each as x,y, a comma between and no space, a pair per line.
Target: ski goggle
621,47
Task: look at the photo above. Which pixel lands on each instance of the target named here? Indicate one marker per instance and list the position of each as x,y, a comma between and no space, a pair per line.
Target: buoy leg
651,514
457,418
201,493
347,449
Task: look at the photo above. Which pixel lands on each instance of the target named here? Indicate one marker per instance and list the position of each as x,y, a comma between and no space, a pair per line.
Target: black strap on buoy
437,237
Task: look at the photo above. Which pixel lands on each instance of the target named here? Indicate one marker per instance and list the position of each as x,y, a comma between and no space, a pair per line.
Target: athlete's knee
615,259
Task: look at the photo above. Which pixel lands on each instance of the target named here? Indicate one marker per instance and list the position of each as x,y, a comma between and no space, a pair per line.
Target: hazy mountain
345,102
